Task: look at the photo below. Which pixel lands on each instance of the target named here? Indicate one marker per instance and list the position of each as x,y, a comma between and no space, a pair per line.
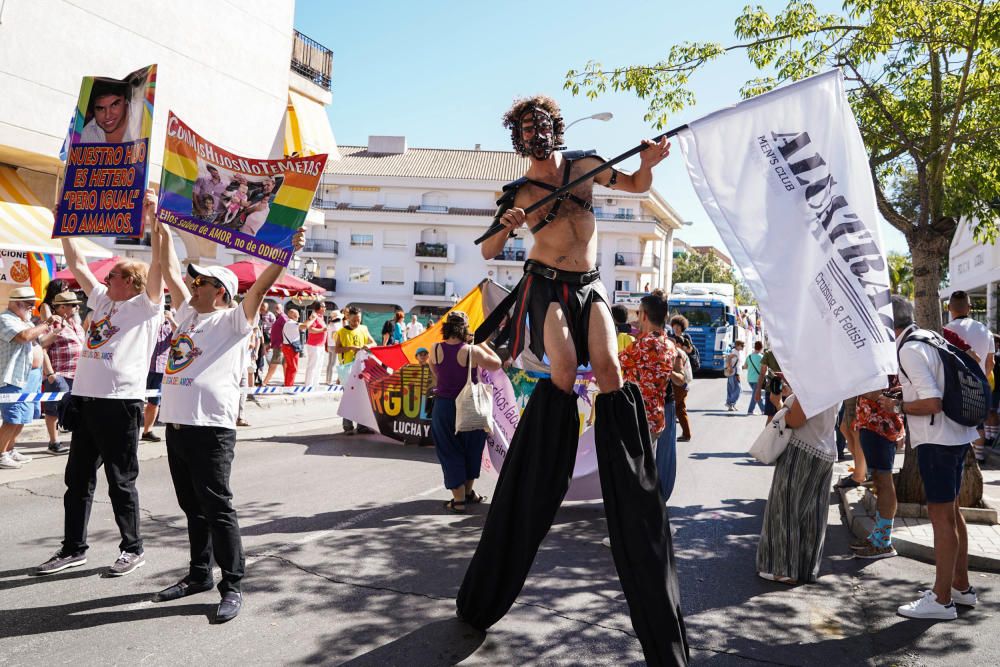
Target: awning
26,225
307,128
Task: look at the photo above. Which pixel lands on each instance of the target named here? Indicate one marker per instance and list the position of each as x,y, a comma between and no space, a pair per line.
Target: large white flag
785,178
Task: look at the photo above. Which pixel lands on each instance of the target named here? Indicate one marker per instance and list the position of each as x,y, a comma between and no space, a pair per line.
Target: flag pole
552,196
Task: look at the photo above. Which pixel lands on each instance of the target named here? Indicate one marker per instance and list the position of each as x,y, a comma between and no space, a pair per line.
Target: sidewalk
913,537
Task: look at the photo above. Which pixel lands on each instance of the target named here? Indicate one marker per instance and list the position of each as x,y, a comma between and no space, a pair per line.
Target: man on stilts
561,310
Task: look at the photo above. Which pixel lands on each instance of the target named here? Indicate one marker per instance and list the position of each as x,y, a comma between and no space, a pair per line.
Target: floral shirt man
872,417
648,363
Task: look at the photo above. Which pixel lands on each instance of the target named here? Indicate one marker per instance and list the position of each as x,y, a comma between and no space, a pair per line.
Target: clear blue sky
443,72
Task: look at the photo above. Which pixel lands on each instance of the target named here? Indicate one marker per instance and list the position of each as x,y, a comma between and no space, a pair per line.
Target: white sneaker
928,607
606,542
19,457
966,599
7,462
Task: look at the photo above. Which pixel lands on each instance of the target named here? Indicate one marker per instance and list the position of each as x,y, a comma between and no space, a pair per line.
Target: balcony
324,204
650,262
312,60
441,292
626,217
437,253
628,258
329,284
510,256
321,247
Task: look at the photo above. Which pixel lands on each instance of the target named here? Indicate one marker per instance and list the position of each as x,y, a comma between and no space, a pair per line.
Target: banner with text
785,178
107,161
254,206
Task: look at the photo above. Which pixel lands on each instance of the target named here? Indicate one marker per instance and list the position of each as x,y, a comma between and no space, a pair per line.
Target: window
362,240
623,285
359,274
598,212
396,201
393,239
434,202
624,214
392,275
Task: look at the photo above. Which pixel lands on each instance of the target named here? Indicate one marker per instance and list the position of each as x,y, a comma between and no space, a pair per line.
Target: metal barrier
48,396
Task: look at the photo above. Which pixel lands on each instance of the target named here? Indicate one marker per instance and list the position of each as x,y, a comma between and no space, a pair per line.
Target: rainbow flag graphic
41,269
249,204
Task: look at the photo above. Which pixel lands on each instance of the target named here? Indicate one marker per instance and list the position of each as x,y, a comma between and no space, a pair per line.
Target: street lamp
603,116
310,269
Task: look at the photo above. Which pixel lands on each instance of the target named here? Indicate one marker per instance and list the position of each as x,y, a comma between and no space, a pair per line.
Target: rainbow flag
41,269
261,206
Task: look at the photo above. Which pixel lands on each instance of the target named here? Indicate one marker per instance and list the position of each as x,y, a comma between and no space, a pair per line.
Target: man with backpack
935,409
978,336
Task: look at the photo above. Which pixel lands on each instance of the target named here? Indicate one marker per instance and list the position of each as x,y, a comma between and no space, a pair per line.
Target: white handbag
773,440
474,404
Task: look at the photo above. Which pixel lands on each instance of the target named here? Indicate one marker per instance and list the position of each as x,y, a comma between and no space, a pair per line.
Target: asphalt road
351,560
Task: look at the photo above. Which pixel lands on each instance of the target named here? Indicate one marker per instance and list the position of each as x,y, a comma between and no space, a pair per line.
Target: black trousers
534,479
201,460
106,432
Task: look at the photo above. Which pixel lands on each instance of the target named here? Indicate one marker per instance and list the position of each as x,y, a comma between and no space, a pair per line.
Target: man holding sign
106,408
201,396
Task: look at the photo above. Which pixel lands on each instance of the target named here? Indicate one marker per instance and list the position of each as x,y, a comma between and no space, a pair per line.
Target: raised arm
485,357
154,283
170,266
255,295
76,262
642,179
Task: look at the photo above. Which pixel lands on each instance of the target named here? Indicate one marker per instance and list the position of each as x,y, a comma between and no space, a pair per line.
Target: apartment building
400,225
258,88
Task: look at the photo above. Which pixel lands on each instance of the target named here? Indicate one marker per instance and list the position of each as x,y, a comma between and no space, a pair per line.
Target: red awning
100,268
248,272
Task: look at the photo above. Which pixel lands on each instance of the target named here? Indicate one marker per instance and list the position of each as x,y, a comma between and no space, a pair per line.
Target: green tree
923,86
900,274
697,267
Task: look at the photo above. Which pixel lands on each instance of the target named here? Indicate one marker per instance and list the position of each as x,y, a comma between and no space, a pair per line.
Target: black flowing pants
534,479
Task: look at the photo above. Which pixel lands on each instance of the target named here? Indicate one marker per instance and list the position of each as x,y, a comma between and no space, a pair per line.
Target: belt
571,277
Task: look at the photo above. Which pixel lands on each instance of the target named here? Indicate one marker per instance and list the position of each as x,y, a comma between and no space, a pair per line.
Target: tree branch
949,142
874,96
891,215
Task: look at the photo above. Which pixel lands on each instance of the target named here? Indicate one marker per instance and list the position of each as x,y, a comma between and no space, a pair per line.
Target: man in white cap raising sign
201,395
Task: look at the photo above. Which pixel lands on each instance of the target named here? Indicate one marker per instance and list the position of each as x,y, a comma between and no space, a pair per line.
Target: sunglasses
112,274
204,280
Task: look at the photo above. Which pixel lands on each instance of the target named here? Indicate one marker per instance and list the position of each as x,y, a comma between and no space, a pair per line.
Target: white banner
785,178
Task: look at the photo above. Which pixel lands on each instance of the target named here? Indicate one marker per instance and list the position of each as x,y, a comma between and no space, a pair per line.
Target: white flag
785,178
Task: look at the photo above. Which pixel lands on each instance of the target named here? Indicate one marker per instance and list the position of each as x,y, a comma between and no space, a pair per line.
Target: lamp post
603,116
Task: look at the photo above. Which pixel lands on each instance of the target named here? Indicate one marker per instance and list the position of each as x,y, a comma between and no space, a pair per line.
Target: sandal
455,506
474,498
777,578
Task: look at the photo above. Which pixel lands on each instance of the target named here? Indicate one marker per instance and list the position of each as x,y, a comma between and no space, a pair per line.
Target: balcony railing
428,289
432,249
432,208
624,217
329,284
312,60
320,203
628,258
322,245
144,241
512,255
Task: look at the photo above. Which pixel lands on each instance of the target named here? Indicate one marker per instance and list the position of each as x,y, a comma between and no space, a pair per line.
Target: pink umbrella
248,272
100,268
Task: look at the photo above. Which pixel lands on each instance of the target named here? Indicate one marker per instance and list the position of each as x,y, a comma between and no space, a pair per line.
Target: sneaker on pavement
349,431
149,436
872,552
606,542
965,598
928,607
58,448
126,563
229,608
860,543
181,589
7,462
61,561
19,457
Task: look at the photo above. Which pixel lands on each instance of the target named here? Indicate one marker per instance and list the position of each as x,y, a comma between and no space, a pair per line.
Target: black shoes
229,608
181,589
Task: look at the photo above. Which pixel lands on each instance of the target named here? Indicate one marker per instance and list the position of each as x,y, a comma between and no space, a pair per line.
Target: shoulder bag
474,404
773,440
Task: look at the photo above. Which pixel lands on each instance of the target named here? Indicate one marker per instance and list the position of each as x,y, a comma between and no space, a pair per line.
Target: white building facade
401,223
975,267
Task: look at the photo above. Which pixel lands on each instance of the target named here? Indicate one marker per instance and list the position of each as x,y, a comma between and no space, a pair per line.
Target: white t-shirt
290,333
331,334
414,329
116,351
975,334
924,378
208,357
818,432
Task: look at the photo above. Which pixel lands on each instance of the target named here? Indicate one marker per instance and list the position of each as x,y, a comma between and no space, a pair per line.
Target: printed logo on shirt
101,332
183,352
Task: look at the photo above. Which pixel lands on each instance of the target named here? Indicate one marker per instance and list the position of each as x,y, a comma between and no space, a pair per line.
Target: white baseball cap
220,273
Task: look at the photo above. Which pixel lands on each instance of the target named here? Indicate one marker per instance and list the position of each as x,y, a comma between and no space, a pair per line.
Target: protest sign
107,161
254,206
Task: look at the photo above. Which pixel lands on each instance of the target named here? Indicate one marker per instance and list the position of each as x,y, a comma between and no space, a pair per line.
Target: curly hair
512,119
456,325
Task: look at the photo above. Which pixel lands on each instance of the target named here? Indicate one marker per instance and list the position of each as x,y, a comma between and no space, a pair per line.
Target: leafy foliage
705,268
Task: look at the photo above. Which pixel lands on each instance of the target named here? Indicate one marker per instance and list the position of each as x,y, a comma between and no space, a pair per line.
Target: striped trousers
791,540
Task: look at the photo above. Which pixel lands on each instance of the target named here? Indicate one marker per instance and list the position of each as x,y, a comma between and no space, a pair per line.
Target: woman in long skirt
791,541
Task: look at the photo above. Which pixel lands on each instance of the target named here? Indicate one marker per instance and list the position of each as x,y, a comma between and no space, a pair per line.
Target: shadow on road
440,643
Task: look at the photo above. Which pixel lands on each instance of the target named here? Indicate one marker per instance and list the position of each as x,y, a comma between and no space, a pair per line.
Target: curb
860,523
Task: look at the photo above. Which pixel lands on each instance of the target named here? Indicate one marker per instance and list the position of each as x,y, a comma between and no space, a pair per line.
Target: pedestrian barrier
47,396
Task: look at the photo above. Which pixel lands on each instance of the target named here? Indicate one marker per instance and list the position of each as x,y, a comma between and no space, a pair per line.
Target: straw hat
22,294
66,298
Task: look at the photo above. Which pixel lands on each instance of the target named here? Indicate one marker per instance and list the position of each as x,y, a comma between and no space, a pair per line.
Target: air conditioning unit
609,200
